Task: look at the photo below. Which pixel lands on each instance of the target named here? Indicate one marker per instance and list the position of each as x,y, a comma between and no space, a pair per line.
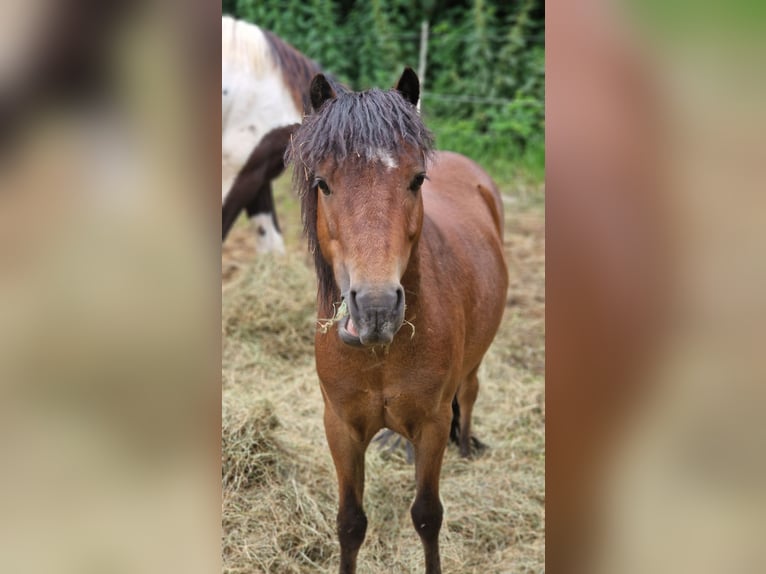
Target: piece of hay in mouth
340,312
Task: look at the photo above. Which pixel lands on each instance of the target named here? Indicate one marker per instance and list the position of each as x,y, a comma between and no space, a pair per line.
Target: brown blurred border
606,257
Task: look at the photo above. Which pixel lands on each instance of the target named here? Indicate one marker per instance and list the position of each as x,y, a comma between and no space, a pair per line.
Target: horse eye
322,185
417,181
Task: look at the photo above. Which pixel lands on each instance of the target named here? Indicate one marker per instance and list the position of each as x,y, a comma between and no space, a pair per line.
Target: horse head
365,157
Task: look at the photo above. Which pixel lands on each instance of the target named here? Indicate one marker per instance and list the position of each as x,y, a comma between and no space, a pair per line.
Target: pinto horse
396,229
251,190
264,88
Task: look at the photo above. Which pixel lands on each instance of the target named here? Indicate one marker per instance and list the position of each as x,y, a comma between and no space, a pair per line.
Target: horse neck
411,280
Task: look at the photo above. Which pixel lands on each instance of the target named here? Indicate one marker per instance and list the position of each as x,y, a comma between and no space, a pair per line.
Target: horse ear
321,91
409,86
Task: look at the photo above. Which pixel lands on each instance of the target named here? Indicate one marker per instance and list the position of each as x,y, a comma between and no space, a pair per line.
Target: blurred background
655,282
109,268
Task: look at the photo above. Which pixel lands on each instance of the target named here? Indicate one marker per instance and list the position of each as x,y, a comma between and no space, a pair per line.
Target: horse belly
465,215
485,311
251,108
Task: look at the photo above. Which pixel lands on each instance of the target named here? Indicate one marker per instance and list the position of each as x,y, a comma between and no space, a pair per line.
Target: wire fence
465,99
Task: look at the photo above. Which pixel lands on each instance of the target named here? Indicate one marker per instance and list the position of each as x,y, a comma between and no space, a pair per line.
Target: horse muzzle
375,315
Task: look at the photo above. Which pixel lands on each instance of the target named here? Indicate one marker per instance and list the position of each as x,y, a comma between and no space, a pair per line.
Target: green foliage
484,89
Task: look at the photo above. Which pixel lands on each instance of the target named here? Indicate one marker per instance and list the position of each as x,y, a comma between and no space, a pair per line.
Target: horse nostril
375,303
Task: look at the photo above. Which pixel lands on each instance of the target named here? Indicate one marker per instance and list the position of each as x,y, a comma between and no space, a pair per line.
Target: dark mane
297,70
349,125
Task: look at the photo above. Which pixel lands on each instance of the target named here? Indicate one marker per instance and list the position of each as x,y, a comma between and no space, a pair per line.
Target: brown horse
396,229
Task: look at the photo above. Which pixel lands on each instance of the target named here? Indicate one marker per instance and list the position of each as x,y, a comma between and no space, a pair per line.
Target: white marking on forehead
383,156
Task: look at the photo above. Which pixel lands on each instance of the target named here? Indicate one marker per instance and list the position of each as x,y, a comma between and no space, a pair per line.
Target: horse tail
454,429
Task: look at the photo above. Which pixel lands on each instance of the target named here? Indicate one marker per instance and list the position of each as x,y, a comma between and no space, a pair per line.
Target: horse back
459,183
256,96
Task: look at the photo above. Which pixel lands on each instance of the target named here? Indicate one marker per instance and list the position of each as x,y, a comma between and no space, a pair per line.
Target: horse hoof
478,447
475,449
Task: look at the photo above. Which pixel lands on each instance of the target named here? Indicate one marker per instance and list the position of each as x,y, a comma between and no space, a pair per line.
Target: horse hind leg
462,411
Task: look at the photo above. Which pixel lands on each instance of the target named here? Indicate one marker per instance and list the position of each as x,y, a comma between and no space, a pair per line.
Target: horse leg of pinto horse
263,217
229,213
240,197
427,510
348,456
398,443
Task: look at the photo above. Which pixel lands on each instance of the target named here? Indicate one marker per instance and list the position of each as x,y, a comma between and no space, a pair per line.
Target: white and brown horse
264,89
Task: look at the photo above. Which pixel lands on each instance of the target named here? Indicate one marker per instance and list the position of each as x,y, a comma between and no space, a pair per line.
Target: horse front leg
348,456
427,510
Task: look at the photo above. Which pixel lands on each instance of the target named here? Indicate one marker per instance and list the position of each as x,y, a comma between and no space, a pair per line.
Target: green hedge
485,78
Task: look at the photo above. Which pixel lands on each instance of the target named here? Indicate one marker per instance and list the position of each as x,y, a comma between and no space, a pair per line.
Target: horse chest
369,395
